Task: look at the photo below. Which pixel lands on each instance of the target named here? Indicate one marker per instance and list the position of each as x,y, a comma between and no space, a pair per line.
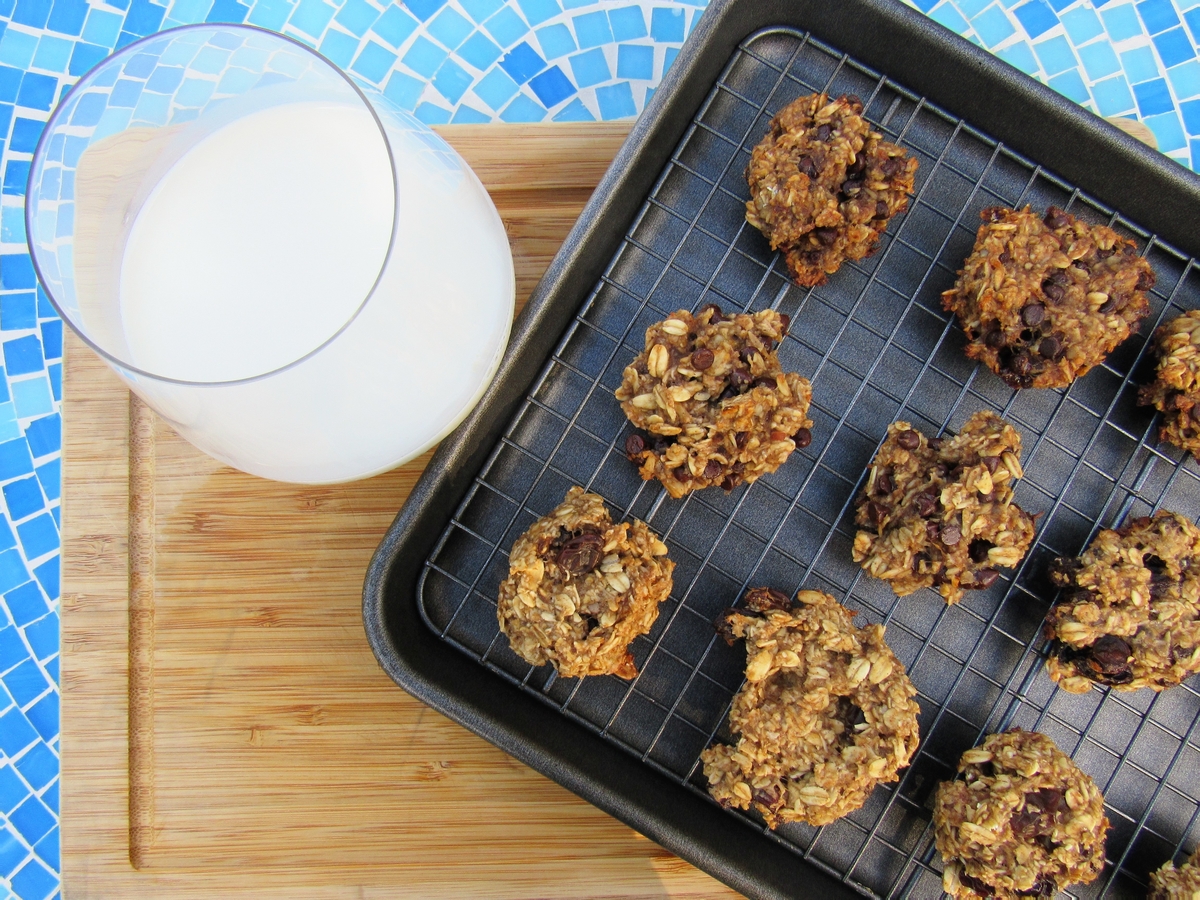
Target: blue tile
24,498
452,81
12,570
44,436
85,57
480,10
12,231
1174,47
67,17
52,53
227,11
45,307
16,271
25,603
43,636
666,25
432,114
449,28
143,17
555,41
12,851
47,849
1153,97
592,30
1167,130
1139,64
1099,59
972,8
48,574
101,27
311,17
90,108
34,882
338,47
616,101
1157,15
12,791
1082,24
15,459
10,82
1191,116
635,61
1036,16
423,9
16,173
538,11
374,62
465,115
37,91
37,536
51,666
44,716
628,24
1055,55
1112,96
506,27
590,68
6,114
925,5
947,14
479,51
39,766
9,427
993,26
49,476
25,135
494,89
424,57
33,13
26,683
1192,18
194,92
394,26
126,93
23,355
15,732
271,14
12,649
522,63
404,90
523,109
31,819
7,539
55,373
552,87
356,16
56,514
50,795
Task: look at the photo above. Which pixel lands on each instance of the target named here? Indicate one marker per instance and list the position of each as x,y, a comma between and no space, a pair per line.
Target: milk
255,252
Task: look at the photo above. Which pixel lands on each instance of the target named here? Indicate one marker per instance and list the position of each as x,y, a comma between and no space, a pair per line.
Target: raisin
909,439
762,599
581,553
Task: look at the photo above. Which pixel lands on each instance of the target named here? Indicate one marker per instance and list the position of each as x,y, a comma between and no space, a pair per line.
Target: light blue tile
52,53
374,62
538,11
589,68
479,51
424,57
17,48
339,47
356,16
395,25
495,89
1139,64
9,428
1121,22
452,81
635,61
1055,55
506,27
628,24
555,41
1070,84
1168,130
432,114
12,225
1020,55
101,27
666,25
993,26
311,17
32,397
1185,79
616,101
574,111
592,30
404,90
449,28
945,14
523,109
1081,23
972,8
481,10
1099,60
1112,96
466,115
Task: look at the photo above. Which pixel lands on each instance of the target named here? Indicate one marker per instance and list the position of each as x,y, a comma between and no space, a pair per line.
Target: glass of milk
305,281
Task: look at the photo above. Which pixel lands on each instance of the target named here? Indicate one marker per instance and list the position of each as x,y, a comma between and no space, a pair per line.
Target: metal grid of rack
877,347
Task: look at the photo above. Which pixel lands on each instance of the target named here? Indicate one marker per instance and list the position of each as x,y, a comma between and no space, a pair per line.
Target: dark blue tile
34,882
47,849
24,498
39,766
16,272
12,790
48,575
15,459
45,434
552,87
7,538
26,683
25,602
46,309
144,17
43,636
50,797
1157,15
22,355
52,341
44,716
84,57
522,63
33,13
1036,16
50,476
1192,18
12,851
18,311
38,536
1174,47
15,732
67,16
1153,97
10,83
124,39
423,9
37,91
25,135
55,373
227,11
12,570
32,820
6,8
1059,5
51,666
1191,115
16,174
12,648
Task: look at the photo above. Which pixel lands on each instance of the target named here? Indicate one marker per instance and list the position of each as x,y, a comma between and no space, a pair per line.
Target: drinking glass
305,281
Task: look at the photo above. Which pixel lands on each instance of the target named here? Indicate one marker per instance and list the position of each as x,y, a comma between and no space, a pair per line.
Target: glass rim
85,81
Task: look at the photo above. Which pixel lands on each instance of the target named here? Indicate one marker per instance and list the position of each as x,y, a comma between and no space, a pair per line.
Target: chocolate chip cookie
1129,616
826,712
938,512
1175,391
580,589
1171,883
713,405
1043,299
823,185
1019,820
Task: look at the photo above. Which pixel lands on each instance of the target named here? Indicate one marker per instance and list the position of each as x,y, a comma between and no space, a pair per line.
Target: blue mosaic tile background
446,61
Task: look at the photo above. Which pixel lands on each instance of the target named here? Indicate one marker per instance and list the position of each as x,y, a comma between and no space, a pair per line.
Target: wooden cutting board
226,730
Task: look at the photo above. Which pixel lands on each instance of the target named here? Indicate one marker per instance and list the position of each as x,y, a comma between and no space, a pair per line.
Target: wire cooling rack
877,347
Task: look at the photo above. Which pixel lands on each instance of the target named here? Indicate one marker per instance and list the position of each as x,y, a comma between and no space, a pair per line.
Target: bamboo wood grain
226,730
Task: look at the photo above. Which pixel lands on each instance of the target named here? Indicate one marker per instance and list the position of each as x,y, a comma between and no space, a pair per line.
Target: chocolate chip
1055,218
1054,292
881,209
1033,314
883,483
992,463
1021,364
995,337
876,513
702,359
855,169
634,445
985,578
854,102
827,236
592,624
785,322
1050,347
803,438
712,469
739,379
908,439
717,314
951,534
851,187
892,166
926,503
1108,306
731,481
767,381
762,599
807,166
1145,280
581,553
978,551
740,439
823,132
932,530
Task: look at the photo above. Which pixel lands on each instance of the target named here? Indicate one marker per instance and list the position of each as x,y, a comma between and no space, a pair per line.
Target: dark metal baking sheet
665,231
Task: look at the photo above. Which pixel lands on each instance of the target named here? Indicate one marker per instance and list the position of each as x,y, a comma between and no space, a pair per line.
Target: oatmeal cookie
713,403
1043,299
826,712
580,588
1020,820
1129,615
823,186
1175,390
939,513
1170,883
